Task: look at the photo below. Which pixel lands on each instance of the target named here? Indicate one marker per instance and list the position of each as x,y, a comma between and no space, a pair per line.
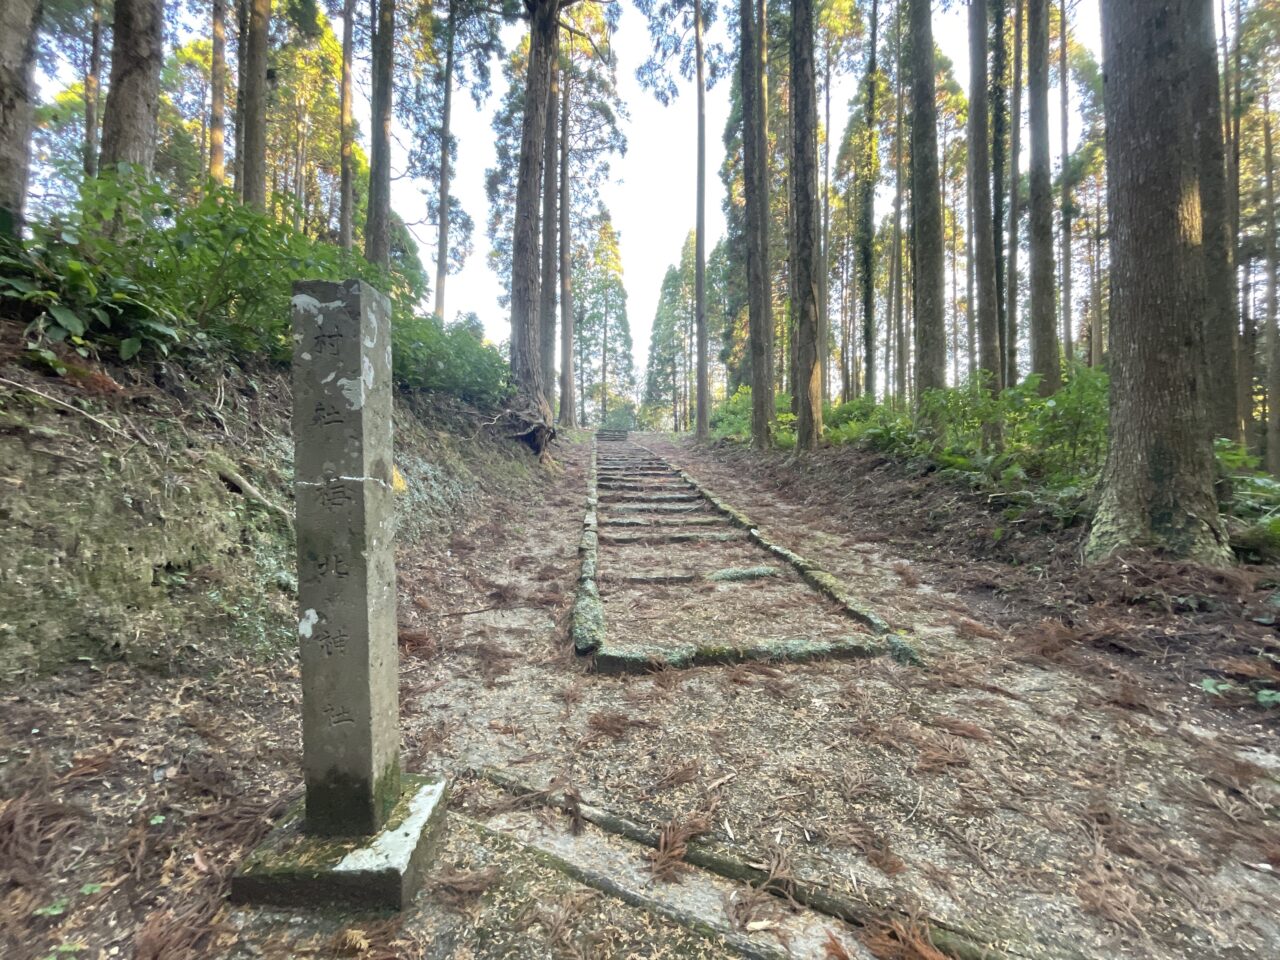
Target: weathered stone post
346,568
360,834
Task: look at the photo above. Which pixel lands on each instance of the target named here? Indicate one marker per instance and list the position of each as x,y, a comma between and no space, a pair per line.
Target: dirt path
1032,810
826,808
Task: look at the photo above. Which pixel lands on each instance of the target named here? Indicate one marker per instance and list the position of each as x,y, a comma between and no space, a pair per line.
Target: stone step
657,507
657,484
631,496
677,521
701,901
656,536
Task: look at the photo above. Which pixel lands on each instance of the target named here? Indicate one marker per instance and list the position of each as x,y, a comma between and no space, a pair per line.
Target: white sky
652,192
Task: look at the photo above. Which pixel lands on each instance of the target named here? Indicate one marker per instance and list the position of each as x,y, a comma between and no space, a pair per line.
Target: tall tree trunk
526,366
1095,294
999,143
346,132
254,97
217,93
703,418
133,99
1157,489
93,82
926,206
19,20
824,278
984,254
970,301
1271,294
550,226
446,123
808,224
604,360
242,87
1011,263
1244,355
899,186
377,228
867,177
1044,336
1064,101
568,411
1220,320
756,189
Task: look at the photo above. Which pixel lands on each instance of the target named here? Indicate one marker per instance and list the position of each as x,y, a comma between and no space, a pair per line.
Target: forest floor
1044,778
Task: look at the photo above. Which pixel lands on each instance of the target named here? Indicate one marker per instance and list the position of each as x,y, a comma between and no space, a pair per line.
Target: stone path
674,576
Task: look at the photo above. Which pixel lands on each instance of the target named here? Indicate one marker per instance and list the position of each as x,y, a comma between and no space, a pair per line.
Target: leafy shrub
135,275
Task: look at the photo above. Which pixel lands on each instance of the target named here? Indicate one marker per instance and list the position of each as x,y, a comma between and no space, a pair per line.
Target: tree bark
1244,355
19,20
242,88
1220,322
898,278
1273,325
999,141
93,85
346,132
804,182
1015,149
1064,101
756,189
526,366
868,176
446,121
377,229
568,409
133,99
702,424
254,97
1157,489
824,276
926,206
550,224
1044,335
984,254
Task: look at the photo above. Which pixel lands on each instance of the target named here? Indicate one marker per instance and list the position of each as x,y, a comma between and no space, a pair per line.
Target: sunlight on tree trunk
1157,489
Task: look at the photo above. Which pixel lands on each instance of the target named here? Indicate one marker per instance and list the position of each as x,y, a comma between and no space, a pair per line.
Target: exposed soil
1030,791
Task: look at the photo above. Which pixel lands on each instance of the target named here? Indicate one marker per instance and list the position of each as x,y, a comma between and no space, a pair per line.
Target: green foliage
1054,445
129,275
731,420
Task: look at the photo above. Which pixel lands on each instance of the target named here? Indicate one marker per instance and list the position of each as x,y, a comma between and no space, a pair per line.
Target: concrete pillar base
293,868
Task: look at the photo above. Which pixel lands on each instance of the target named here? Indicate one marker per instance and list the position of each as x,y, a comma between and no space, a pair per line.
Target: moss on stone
738,574
588,628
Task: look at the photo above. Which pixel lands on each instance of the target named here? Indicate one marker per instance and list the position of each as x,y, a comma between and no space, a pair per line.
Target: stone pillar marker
346,568
363,830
